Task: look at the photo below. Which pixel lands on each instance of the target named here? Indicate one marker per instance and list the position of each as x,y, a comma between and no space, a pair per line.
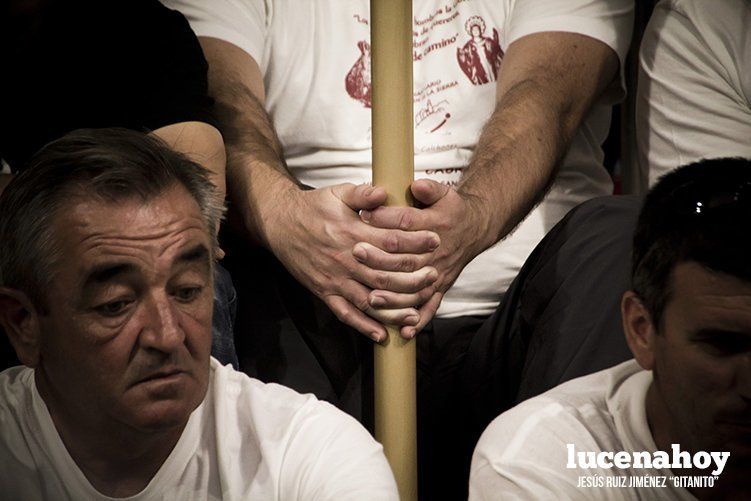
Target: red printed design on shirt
358,79
480,58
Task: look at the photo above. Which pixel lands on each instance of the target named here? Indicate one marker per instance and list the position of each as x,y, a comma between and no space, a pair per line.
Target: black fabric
91,63
559,319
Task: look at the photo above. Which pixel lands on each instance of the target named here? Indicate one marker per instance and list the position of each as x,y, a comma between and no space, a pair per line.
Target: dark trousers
559,319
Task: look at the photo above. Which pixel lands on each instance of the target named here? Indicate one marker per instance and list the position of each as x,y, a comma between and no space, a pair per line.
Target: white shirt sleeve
522,455
331,457
609,21
690,102
243,23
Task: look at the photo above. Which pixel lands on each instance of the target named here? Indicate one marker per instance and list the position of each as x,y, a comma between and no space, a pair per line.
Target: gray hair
110,164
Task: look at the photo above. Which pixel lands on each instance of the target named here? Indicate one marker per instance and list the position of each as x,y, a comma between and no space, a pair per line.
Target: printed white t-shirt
315,58
694,97
523,452
247,440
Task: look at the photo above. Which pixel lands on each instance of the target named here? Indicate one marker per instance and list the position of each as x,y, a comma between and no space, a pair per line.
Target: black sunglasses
702,199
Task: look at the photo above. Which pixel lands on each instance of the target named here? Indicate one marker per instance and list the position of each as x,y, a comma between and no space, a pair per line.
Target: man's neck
116,460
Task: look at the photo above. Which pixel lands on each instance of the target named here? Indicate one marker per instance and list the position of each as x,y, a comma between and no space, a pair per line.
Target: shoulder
17,463
271,406
15,392
562,415
717,25
229,383
314,449
528,446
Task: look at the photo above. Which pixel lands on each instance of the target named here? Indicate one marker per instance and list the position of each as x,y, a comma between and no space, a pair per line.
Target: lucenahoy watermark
642,459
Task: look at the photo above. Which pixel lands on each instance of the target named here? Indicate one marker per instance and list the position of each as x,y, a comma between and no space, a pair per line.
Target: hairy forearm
257,176
547,85
516,157
203,144
256,172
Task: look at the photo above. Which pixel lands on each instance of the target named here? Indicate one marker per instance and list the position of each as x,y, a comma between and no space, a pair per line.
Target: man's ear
20,320
639,329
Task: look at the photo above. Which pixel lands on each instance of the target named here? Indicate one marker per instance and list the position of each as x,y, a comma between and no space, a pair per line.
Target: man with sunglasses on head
675,422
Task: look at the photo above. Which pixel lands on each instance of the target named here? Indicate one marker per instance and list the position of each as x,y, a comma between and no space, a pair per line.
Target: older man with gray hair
106,295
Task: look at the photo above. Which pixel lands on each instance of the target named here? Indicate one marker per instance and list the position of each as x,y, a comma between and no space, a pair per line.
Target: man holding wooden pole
511,102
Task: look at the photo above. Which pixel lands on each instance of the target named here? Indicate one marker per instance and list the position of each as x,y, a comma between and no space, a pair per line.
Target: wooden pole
393,168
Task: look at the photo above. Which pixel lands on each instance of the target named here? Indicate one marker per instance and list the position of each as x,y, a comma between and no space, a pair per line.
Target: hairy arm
546,85
256,172
312,232
200,142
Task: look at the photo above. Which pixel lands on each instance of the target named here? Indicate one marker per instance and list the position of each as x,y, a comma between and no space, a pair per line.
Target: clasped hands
375,265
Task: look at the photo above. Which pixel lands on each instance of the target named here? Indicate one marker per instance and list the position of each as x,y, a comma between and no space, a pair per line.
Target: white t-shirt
694,97
523,452
247,440
315,58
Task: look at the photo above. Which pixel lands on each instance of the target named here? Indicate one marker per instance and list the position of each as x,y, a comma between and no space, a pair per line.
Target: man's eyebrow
107,271
195,254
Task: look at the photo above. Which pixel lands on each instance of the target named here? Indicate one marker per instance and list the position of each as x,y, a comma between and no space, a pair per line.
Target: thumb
427,192
360,197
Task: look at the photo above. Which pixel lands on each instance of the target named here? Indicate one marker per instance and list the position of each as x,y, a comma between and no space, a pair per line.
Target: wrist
259,196
485,231
274,209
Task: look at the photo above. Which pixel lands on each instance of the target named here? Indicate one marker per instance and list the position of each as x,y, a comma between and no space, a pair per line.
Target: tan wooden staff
393,168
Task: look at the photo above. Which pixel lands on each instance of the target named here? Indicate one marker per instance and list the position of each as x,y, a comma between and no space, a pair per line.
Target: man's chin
164,409
164,415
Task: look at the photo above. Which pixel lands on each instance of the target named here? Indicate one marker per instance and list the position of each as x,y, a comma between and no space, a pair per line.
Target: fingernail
377,301
369,191
410,333
365,215
432,275
360,253
377,337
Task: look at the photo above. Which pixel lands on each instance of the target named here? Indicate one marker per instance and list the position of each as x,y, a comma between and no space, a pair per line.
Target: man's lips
160,376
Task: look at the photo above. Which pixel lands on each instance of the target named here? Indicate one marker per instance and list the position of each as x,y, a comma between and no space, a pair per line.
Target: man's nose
161,327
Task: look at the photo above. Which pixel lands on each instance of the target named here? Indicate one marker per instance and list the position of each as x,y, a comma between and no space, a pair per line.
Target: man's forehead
711,297
92,226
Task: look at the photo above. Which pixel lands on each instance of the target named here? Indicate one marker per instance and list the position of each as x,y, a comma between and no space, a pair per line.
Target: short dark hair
700,212
110,164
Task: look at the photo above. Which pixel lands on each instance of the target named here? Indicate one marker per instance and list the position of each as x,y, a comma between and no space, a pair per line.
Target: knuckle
392,242
408,263
345,315
382,280
405,220
317,286
362,304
